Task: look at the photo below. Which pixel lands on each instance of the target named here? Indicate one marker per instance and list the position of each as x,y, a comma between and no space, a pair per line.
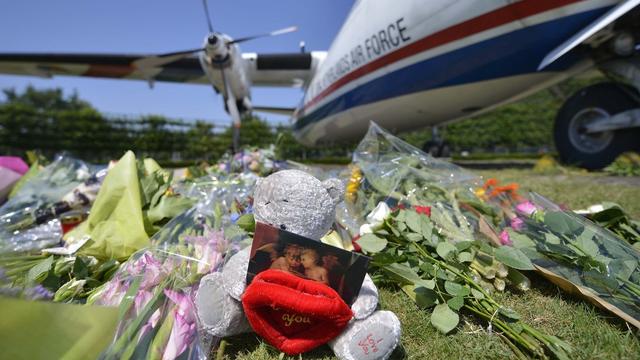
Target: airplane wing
262,69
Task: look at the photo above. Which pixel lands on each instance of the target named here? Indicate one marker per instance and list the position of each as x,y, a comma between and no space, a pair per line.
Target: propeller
213,46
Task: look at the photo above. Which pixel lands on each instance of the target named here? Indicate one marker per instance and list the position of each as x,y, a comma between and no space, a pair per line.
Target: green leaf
562,223
423,297
456,302
403,274
247,223
371,243
623,268
413,221
477,294
444,249
168,207
384,258
40,270
444,319
465,257
413,237
429,284
80,270
513,257
463,245
551,238
521,240
456,289
509,313
426,227
586,243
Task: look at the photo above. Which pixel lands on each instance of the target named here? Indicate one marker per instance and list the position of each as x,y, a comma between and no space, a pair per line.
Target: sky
156,27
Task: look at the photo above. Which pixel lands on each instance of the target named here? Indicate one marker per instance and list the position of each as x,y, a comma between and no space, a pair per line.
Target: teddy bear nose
283,227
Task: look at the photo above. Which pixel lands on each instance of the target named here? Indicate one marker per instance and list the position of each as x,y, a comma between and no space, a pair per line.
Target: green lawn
593,333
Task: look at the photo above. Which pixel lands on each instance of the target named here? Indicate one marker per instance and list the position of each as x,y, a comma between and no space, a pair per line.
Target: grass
594,334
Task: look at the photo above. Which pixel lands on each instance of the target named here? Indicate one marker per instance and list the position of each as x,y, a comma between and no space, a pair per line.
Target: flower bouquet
29,220
155,289
427,229
134,201
578,255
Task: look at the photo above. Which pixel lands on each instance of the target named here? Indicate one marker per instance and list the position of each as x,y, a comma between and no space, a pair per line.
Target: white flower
377,216
366,229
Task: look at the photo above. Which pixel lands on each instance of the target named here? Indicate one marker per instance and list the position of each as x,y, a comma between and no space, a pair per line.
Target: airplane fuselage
425,63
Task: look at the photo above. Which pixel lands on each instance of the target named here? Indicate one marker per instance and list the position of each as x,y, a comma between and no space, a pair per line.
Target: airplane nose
212,39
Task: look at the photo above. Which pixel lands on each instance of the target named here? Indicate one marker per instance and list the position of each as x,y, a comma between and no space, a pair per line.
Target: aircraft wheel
592,103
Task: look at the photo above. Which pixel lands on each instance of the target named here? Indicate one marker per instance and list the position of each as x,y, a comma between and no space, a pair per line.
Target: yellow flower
354,184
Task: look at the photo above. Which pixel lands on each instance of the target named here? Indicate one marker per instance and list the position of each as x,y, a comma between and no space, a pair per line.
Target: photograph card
275,248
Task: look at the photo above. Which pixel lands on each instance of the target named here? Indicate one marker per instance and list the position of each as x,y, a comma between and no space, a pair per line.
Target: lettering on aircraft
375,45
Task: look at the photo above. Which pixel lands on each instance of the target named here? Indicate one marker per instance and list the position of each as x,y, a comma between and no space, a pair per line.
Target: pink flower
141,300
517,224
184,305
526,208
184,325
505,239
182,334
112,293
151,324
150,269
208,249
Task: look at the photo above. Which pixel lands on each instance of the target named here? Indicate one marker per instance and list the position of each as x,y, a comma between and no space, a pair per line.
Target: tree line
50,122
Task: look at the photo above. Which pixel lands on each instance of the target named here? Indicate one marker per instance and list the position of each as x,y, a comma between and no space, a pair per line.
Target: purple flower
505,239
182,334
184,325
526,208
38,292
150,268
139,303
112,293
234,217
184,306
208,249
517,224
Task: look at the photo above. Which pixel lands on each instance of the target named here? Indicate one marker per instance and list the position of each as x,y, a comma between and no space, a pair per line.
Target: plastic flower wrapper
134,200
579,256
48,186
385,168
155,289
240,184
428,231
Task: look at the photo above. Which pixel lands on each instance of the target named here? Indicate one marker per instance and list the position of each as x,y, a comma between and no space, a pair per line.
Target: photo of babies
278,249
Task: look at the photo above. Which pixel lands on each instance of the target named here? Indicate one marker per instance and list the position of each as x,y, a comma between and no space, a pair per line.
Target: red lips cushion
293,314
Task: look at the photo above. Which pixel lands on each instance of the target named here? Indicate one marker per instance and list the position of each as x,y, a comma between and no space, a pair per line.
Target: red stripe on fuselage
495,18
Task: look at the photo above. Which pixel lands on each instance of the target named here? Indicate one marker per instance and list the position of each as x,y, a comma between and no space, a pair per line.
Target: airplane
411,64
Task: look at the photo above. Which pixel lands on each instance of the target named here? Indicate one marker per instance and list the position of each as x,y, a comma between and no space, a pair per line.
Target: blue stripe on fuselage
518,52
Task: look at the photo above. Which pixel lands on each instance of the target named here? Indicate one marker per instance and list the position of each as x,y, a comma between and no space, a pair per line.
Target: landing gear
436,147
575,132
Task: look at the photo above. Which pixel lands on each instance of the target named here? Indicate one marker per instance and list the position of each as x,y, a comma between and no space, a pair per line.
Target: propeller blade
273,33
206,12
230,101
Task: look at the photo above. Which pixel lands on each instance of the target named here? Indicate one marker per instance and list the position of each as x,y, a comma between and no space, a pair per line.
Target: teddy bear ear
335,188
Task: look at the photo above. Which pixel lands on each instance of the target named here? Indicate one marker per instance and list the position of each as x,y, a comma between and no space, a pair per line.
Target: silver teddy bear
297,202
